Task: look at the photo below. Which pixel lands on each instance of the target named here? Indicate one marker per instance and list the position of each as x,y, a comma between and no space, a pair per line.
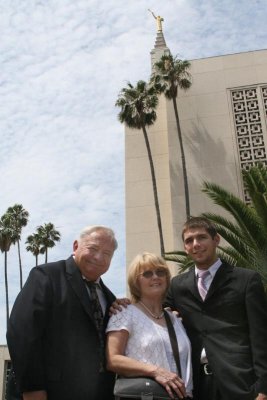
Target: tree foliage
18,218
33,244
170,75
138,105
8,236
11,225
48,236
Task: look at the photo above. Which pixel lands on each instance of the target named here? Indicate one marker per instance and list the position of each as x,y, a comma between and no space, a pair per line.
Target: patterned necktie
98,318
202,288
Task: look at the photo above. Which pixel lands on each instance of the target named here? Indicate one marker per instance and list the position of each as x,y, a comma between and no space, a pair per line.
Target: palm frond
255,181
245,216
247,233
180,257
170,74
232,233
138,105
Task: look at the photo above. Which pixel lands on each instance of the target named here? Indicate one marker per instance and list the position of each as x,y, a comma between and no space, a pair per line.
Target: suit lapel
221,277
192,285
75,279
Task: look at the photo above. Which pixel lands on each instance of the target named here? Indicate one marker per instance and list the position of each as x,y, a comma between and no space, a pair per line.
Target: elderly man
56,332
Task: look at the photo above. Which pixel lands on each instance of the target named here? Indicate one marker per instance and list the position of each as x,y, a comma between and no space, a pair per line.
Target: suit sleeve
256,306
169,300
26,331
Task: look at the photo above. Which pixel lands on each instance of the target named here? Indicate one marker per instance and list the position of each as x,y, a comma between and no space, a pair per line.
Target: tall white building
223,119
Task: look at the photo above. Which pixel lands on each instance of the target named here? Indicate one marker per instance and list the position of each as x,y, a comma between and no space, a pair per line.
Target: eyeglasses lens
160,272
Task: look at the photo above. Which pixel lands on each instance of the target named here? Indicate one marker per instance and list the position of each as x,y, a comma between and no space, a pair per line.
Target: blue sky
63,63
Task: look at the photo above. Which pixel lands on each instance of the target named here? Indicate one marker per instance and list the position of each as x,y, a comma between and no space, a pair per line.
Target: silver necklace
150,312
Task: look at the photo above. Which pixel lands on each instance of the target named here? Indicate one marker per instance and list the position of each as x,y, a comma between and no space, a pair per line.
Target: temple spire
160,47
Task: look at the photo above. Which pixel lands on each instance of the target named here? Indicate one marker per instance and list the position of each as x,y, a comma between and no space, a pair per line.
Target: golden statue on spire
159,19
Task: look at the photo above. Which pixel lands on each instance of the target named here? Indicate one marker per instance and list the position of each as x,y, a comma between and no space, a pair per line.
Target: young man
56,331
225,315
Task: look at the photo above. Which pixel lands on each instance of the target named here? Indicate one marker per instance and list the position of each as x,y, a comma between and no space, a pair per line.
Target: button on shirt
212,271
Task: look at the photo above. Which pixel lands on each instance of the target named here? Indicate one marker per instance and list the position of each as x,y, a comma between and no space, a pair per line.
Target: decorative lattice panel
250,115
264,99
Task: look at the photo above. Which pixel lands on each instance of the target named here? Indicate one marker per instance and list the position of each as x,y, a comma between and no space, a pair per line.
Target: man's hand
37,395
116,305
175,313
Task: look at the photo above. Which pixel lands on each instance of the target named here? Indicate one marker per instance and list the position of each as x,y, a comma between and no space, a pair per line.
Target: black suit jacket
52,337
232,326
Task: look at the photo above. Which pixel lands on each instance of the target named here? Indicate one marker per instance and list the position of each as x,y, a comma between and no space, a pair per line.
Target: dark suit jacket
232,326
52,337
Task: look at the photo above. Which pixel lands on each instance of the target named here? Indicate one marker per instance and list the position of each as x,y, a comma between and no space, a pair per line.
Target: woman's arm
119,363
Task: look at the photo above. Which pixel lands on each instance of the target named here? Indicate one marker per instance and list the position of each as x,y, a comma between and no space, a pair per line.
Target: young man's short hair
200,222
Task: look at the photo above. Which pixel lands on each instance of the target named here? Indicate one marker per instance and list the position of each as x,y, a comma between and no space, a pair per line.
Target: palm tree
7,237
33,244
246,231
18,218
170,75
247,235
138,105
48,236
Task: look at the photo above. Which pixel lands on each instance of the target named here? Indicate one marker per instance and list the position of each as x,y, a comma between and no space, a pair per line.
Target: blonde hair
139,264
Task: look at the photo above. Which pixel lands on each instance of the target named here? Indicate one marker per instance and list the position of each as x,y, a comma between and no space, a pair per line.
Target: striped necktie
202,288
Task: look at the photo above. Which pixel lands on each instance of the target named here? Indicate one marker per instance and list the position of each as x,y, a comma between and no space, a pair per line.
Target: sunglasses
159,272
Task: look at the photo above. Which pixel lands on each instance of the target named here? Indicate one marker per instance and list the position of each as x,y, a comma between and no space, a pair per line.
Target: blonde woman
138,342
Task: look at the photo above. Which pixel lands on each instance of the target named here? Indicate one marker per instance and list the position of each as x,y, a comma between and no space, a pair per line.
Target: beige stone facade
4,366
223,122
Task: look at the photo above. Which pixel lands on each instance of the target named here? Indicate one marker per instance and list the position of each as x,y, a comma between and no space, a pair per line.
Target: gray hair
97,228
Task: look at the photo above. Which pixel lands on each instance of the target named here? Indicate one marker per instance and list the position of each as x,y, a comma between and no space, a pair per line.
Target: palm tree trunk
155,191
186,191
20,265
6,287
46,255
36,260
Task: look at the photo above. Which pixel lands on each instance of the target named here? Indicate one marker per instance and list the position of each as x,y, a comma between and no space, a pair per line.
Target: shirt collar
96,281
212,269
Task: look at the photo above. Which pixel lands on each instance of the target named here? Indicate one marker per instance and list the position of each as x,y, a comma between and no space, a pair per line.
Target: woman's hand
171,382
